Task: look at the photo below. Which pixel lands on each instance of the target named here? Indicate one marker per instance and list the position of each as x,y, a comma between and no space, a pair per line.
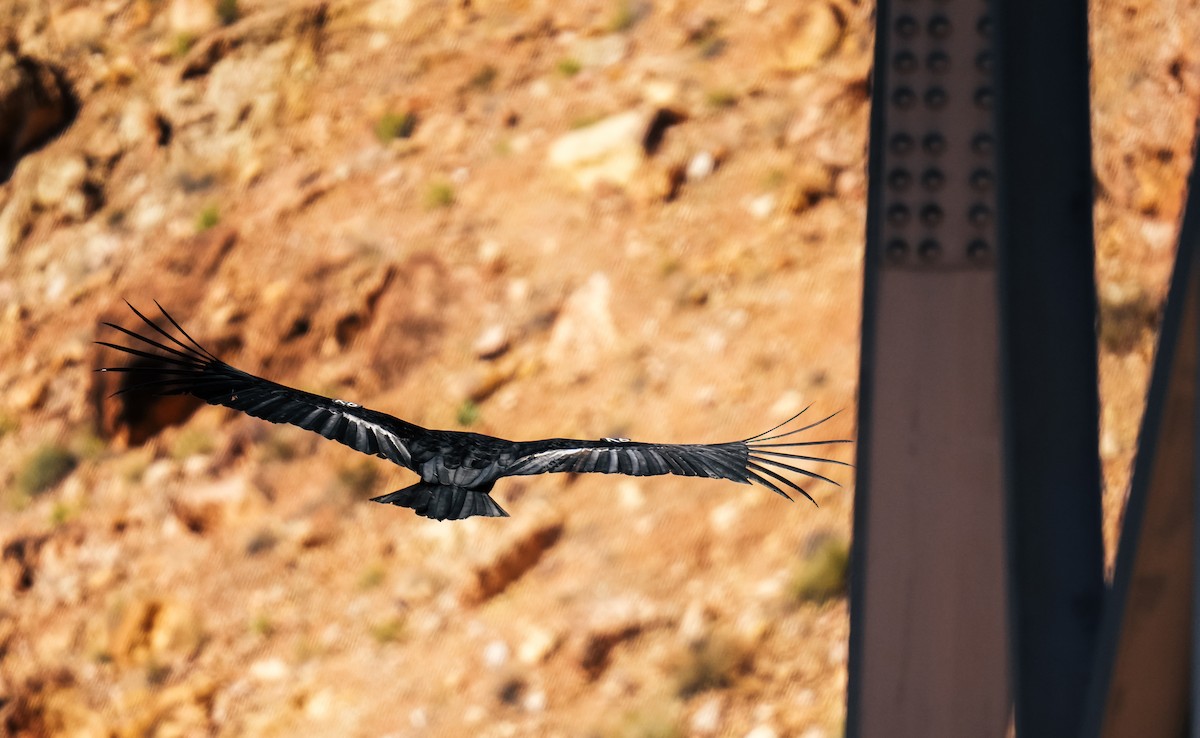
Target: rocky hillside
521,217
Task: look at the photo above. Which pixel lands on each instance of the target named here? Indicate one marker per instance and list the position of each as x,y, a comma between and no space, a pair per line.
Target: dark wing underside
170,366
752,460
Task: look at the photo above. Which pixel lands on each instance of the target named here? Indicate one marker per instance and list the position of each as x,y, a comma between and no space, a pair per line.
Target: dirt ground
526,218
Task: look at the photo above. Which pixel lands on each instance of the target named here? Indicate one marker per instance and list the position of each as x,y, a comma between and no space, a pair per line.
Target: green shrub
45,468
656,719
439,195
822,573
8,424
714,662
182,43
389,630
372,576
261,625
468,413
1126,319
192,442
584,121
392,126
625,14
358,478
61,513
569,67
227,12
484,79
721,98
207,218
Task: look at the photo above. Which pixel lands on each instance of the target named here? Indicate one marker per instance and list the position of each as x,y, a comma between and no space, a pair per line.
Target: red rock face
346,197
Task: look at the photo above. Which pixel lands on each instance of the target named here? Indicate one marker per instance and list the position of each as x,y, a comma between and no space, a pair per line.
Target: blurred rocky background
521,217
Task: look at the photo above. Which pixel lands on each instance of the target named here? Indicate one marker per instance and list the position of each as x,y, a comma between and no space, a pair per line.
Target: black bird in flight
457,469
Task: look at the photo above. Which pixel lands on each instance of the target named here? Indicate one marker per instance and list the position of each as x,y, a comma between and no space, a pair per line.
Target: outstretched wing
172,367
755,459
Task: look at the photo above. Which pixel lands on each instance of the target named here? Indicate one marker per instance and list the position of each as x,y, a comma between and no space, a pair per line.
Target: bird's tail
444,502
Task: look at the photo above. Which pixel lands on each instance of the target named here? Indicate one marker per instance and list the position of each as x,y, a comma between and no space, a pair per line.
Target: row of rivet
931,215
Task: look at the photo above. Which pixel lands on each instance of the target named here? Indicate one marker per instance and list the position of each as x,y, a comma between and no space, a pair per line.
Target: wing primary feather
790,444
146,369
796,469
179,328
769,485
702,459
764,470
798,456
772,430
162,332
799,430
695,466
148,355
185,385
736,472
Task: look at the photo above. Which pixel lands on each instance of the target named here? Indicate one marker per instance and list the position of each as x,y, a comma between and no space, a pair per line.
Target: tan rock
584,331
154,630
388,14
811,37
613,149
601,51
193,17
205,508
809,183
60,186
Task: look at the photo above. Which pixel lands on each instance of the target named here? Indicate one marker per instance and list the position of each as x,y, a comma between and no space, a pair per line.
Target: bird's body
457,468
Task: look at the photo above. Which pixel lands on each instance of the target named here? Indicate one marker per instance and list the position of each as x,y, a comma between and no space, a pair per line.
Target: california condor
457,469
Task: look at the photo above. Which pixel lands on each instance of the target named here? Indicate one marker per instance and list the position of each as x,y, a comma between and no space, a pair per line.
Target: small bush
192,442
61,513
358,478
484,79
468,413
658,719
227,12
8,424
714,662
822,574
89,447
45,468
1125,320
569,67
439,195
372,577
207,218
182,43
388,631
392,126
584,121
624,16
722,98
708,40
278,446
261,625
